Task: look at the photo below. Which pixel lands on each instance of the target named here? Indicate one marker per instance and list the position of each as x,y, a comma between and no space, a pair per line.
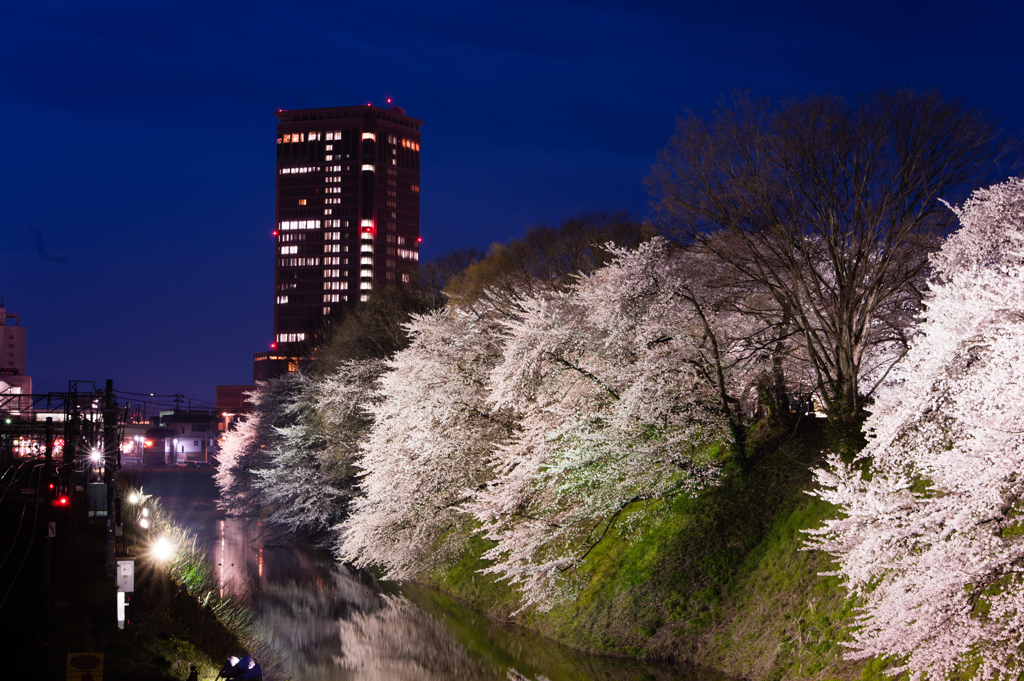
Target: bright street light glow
95,456
163,548
144,523
133,498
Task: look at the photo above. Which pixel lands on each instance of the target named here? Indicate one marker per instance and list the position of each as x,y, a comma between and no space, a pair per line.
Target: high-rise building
347,211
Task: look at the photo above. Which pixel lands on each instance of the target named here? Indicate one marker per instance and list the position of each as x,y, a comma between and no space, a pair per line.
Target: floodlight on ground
163,549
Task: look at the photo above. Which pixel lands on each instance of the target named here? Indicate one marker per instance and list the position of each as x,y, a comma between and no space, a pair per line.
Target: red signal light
62,501
51,485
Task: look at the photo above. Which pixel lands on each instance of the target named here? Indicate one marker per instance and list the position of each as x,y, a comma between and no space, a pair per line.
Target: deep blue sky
139,136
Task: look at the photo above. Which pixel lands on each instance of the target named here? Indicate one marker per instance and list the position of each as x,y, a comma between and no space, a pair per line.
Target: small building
192,436
232,405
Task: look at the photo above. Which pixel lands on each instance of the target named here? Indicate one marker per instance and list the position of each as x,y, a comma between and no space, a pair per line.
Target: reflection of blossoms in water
305,600
513,675
400,642
301,620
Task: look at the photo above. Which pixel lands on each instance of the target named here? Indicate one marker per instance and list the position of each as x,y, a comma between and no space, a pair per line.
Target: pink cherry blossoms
930,538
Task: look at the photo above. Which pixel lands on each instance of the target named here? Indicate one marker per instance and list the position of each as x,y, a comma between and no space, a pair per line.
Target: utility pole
71,436
111,462
48,497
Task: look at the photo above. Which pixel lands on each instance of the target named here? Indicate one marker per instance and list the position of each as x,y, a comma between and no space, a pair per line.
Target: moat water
329,622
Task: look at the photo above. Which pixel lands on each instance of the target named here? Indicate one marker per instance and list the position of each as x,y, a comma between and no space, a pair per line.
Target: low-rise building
192,436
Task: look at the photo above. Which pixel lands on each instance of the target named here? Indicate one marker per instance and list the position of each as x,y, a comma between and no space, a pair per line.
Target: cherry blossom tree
245,449
621,386
930,539
432,436
308,481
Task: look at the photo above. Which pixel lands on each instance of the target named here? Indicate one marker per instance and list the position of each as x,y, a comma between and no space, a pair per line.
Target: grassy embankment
176,618
719,580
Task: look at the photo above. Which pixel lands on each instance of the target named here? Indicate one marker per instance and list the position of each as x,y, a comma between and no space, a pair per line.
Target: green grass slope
719,580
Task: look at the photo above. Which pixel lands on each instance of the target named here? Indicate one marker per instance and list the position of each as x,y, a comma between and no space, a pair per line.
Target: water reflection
332,623
400,641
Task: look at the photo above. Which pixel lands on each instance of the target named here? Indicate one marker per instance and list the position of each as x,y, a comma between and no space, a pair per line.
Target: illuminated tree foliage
429,446
245,449
309,478
621,386
931,540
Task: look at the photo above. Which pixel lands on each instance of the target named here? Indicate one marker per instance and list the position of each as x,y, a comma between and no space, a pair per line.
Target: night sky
138,153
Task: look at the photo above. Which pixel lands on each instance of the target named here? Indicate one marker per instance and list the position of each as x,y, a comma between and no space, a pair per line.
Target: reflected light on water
329,622
220,562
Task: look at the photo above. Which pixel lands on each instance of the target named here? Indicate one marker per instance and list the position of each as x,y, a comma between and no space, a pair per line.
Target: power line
31,540
178,395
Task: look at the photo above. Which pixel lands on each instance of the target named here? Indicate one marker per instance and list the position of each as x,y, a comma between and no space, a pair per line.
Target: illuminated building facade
12,355
347,214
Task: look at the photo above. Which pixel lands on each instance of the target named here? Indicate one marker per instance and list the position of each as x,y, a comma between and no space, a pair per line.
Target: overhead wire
181,398
31,541
17,532
14,477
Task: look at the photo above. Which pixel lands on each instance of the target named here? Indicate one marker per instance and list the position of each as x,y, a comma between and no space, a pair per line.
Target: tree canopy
832,206
930,537
545,258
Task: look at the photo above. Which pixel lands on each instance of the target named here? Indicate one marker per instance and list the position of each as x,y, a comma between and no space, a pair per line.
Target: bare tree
831,206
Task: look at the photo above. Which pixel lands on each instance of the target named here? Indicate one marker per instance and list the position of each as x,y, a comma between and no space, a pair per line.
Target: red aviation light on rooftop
274,232
389,100
273,346
419,239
